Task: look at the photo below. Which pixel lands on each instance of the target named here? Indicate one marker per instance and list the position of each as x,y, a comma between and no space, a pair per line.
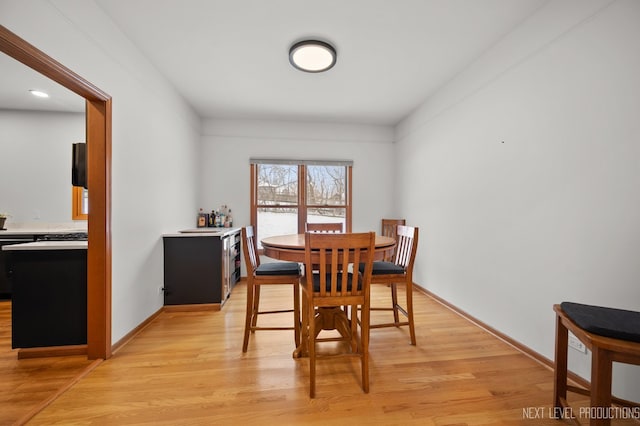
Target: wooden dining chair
389,229
333,286
324,227
612,335
398,271
276,273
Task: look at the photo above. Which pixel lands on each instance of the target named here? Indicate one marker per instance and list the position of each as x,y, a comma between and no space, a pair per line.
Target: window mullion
254,196
348,188
302,198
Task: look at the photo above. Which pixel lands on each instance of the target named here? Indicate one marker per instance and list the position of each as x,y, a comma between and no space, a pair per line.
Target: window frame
301,205
77,193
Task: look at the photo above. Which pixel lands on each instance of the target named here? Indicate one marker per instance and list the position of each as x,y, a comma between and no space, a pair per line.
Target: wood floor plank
188,368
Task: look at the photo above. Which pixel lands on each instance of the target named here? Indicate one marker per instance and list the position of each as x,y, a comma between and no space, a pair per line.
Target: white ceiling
229,58
17,79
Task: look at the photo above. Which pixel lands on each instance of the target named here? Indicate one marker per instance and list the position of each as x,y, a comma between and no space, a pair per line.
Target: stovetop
73,236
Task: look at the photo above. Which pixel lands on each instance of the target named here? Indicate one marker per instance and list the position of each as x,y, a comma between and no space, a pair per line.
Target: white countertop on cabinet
40,231
204,232
48,245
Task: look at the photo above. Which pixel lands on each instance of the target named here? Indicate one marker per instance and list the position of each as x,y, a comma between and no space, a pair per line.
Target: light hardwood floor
27,383
189,369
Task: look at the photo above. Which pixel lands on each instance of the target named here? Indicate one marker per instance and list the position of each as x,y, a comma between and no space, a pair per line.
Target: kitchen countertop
48,245
204,232
40,231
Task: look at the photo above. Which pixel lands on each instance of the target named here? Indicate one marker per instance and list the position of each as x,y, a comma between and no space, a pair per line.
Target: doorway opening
98,128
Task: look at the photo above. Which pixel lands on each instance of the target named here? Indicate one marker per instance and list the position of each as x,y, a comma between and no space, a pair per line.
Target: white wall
227,146
528,172
155,140
35,165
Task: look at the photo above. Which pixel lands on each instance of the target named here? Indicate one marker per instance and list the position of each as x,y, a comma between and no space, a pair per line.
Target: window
79,203
286,194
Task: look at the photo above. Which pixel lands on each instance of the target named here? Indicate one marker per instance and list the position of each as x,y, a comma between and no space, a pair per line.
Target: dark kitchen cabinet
49,301
201,268
5,240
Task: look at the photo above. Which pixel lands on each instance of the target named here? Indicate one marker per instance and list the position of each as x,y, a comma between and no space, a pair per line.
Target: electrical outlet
576,344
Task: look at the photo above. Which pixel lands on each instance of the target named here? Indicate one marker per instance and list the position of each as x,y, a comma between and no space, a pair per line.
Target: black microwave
79,165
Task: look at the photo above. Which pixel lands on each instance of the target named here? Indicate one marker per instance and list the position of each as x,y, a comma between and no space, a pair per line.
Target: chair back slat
325,227
389,229
407,246
252,260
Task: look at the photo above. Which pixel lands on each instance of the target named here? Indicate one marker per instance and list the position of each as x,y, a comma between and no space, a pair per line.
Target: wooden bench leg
560,367
601,366
604,351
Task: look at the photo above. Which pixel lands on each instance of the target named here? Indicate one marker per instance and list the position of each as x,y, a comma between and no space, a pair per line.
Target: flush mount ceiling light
312,56
38,93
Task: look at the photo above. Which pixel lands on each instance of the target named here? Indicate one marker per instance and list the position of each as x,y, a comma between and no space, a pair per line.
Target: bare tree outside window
325,189
326,185
277,184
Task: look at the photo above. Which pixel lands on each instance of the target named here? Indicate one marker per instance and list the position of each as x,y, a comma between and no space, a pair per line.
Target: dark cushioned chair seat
278,268
609,322
382,268
316,282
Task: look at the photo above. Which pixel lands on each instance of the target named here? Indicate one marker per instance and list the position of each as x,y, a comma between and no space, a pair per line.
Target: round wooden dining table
291,247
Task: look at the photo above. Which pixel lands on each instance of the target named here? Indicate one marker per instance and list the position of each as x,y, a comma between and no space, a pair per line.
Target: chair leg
311,342
601,366
296,314
248,316
256,307
364,348
353,330
394,303
412,328
560,367
303,348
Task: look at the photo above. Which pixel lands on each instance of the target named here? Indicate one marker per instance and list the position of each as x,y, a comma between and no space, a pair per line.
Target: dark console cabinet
201,268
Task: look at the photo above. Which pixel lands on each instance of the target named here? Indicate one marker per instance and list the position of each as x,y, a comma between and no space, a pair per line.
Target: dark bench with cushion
611,335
